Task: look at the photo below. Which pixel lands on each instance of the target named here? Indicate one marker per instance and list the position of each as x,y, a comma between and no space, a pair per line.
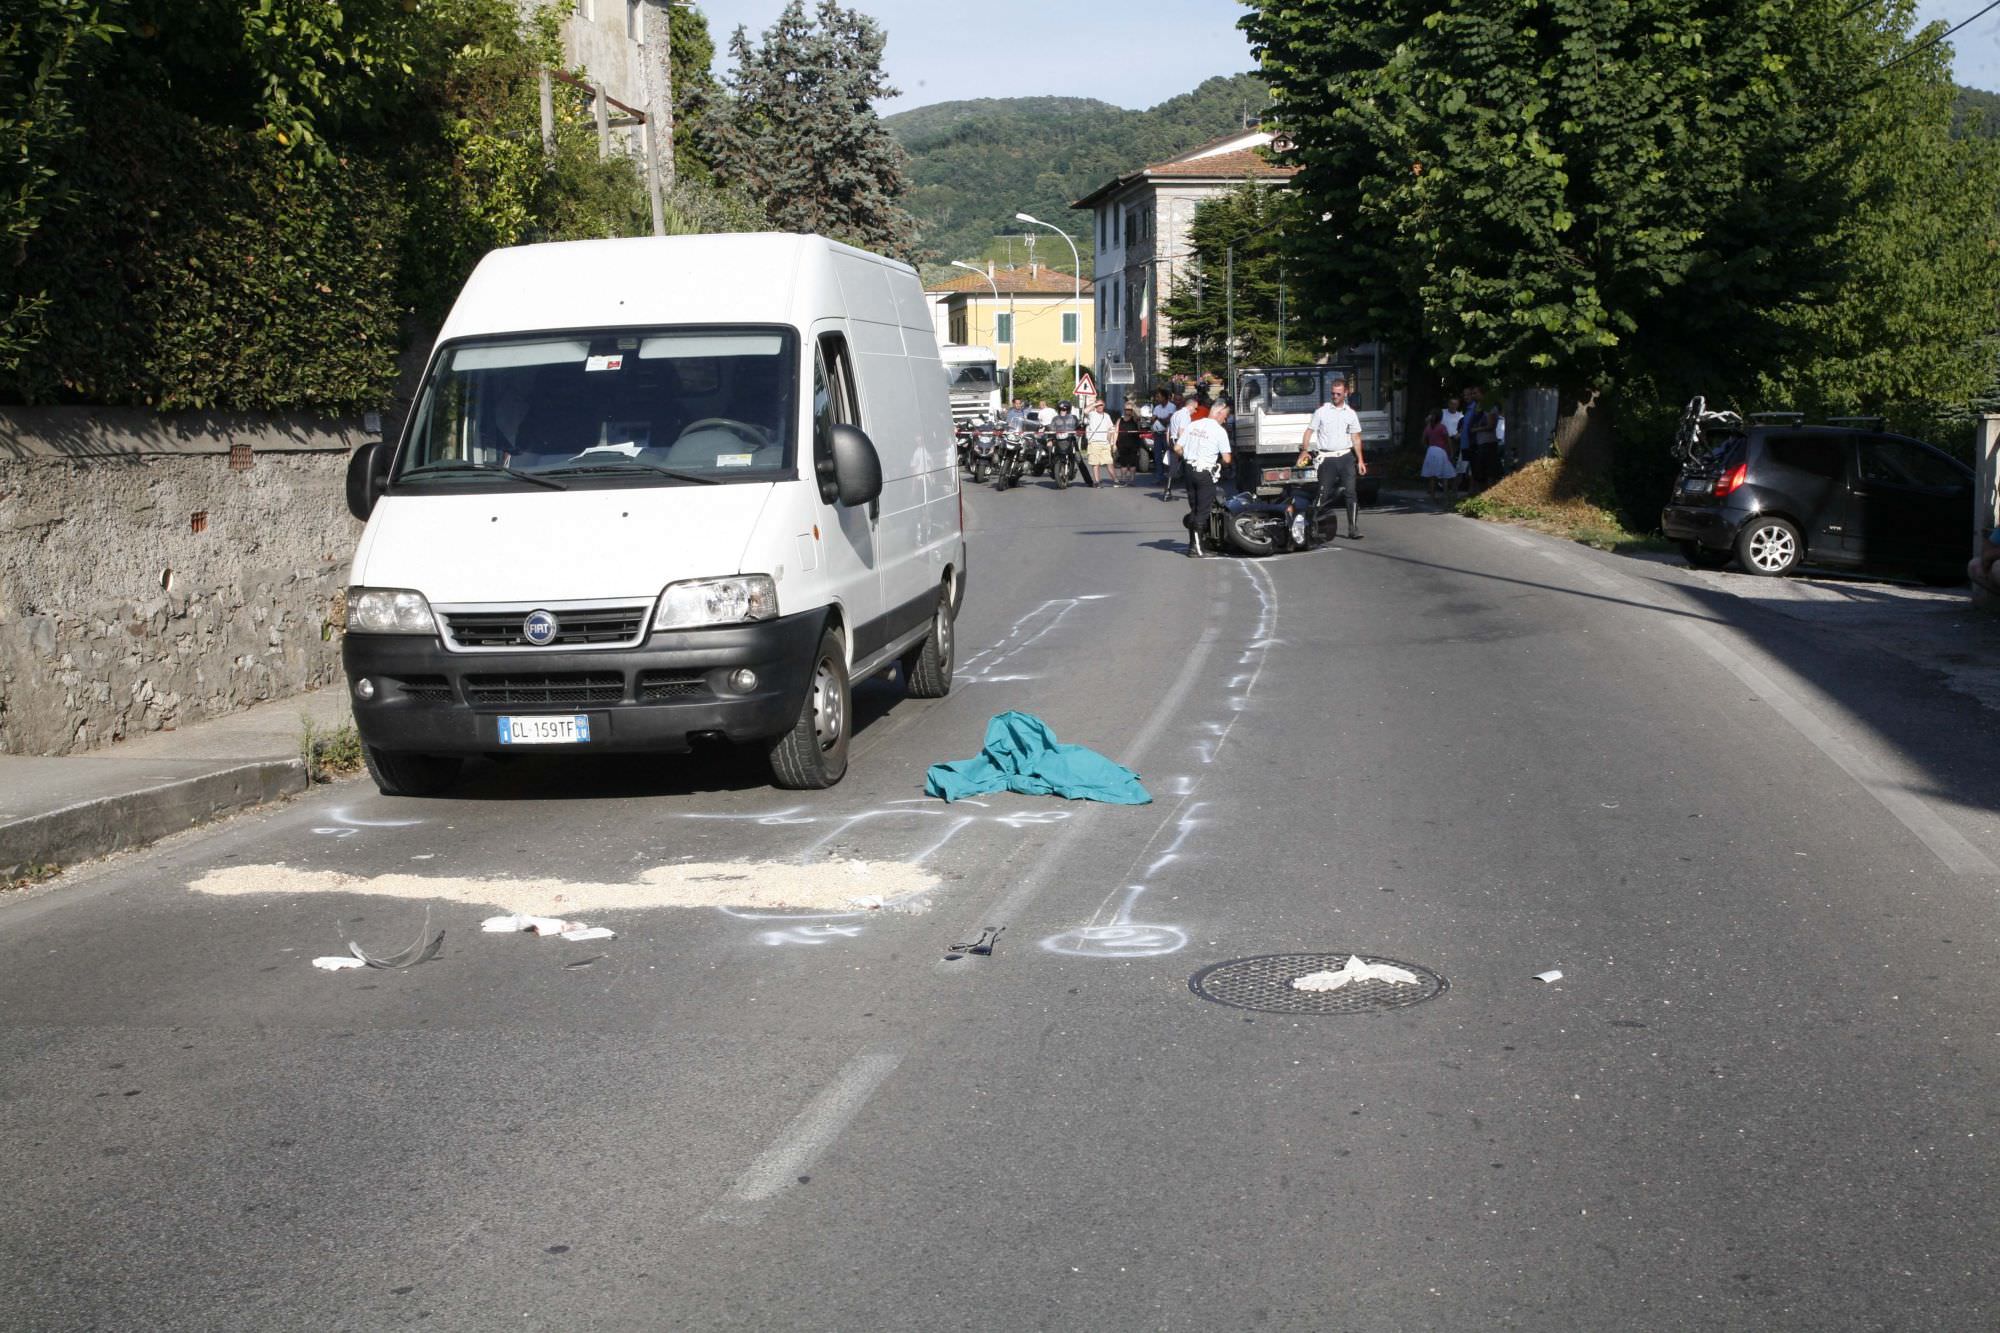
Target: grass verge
330,754
1535,497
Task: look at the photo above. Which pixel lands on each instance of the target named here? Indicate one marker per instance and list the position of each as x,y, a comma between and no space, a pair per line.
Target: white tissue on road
1553,974
870,902
337,963
1356,968
546,925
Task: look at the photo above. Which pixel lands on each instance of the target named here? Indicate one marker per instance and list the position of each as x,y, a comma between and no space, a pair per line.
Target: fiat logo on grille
540,627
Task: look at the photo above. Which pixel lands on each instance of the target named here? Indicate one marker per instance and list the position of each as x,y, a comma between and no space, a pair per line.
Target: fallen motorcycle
1284,513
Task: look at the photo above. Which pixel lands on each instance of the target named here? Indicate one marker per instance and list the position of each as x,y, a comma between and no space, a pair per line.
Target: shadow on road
709,768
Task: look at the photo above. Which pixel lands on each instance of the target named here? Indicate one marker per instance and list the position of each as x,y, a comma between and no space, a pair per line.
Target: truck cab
1275,403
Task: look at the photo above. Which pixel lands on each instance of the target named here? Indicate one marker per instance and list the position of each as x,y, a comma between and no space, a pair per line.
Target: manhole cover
1266,984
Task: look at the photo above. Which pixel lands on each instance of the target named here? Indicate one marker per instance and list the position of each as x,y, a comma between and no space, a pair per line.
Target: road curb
107,824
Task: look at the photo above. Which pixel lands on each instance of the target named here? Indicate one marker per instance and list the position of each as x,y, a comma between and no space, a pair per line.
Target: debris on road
1356,968
545,925
419,952
1021,754
868,902
1553,974
989,936
337,963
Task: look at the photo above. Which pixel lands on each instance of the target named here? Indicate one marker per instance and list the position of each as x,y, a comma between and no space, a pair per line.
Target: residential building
1143,220
1037,314
604,40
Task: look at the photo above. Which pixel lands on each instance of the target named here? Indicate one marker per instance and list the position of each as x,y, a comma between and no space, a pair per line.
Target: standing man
1204,451
1163,412
1177,426
1332,442
1017,415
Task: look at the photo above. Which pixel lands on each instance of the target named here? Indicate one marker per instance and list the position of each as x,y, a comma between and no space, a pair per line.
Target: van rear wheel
813,754
398,774
927,667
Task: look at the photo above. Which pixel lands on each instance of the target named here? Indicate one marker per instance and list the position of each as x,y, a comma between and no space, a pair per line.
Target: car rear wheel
813,754
1769,546
409,774
1701,557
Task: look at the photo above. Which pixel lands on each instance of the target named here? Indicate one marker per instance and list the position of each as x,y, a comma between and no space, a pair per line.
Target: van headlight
729,601
388,611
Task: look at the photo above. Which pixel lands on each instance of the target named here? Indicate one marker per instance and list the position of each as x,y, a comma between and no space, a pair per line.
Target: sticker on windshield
733,460
604,362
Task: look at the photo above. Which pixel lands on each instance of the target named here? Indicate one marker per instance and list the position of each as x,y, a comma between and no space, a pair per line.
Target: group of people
1464,444
1192,438
1110,444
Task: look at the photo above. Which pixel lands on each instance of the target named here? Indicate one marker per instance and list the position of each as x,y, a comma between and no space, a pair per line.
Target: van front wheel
813,754
399,774
927,667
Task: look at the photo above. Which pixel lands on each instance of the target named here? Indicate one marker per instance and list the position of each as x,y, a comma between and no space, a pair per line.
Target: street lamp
1076,275
973,268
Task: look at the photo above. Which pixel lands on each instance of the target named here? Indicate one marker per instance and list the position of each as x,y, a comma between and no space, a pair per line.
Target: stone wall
157,570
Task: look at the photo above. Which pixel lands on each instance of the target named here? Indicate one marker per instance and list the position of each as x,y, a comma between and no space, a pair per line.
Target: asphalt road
1761,853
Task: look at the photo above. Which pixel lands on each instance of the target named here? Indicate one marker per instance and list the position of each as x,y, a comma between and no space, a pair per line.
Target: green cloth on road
1023,755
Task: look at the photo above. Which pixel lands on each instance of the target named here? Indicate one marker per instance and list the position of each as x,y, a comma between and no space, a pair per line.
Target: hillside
974,164
1977,112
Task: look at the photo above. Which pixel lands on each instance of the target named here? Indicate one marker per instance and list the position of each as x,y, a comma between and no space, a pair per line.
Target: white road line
1946,843
1166,710
809,1134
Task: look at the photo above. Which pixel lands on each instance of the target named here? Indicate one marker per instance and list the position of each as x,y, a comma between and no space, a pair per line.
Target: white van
653,492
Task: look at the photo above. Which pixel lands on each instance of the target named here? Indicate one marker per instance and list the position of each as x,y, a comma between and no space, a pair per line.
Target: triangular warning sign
1086,387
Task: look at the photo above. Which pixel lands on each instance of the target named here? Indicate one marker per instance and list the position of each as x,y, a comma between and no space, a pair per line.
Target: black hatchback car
1775,496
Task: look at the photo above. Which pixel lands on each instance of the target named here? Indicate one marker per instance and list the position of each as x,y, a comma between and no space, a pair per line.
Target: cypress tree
799,132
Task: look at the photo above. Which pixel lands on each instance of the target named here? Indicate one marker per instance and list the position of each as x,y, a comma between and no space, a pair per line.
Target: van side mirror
367,478
857,470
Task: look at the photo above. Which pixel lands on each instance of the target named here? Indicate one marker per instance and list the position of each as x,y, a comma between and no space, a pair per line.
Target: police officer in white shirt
1203,447
1333,443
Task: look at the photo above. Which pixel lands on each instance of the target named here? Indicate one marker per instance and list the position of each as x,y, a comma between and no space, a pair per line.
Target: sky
1131,53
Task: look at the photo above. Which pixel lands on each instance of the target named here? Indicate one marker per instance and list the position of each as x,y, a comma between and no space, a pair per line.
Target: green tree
46,49
695,93
800,133
1238,278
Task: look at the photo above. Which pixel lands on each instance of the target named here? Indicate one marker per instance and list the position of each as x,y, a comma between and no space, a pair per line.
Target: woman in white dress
1439,471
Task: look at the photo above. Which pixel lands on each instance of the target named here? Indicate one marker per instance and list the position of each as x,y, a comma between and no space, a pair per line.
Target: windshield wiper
460,465
621,464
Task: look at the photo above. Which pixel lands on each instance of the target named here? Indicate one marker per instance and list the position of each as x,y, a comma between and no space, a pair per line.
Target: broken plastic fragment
499,924
1356,968
867,901
590,933
337,963
418,952
1553,974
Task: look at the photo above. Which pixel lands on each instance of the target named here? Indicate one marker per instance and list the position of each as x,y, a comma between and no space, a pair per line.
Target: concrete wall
148,579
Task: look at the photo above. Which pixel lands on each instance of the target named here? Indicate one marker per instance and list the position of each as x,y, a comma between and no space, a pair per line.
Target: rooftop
1020,280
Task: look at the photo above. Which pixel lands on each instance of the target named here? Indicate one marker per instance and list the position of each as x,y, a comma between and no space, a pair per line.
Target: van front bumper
662,695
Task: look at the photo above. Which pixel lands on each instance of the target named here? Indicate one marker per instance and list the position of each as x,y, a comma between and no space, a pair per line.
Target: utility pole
656,60
1281,314
1229,319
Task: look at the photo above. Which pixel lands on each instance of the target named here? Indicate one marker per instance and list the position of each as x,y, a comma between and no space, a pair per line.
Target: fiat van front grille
565,690
488,628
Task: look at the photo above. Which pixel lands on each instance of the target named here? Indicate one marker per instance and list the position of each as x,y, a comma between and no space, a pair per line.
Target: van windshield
623,407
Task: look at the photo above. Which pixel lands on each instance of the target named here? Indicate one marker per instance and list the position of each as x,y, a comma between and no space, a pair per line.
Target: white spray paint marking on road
1120,936
1025,633
1945,842
816,1126
808,934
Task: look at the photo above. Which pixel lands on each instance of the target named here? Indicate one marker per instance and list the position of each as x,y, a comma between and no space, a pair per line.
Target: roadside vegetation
1539,496
329,754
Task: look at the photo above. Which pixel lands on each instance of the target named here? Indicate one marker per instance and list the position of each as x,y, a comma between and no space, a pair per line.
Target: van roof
735,278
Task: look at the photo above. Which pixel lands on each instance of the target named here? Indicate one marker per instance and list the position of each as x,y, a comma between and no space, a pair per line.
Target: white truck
972,376
1274,403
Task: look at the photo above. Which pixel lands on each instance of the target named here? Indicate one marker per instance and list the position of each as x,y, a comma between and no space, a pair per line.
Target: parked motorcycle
1064,461
985,443
1010,460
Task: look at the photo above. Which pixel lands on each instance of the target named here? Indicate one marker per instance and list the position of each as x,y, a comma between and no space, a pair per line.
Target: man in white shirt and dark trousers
1333,443
1204,451
1176,424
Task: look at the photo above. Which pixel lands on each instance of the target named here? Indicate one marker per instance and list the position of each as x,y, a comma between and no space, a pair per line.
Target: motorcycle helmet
1063,406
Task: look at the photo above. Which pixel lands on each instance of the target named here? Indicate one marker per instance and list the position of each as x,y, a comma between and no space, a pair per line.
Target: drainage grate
1265,984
